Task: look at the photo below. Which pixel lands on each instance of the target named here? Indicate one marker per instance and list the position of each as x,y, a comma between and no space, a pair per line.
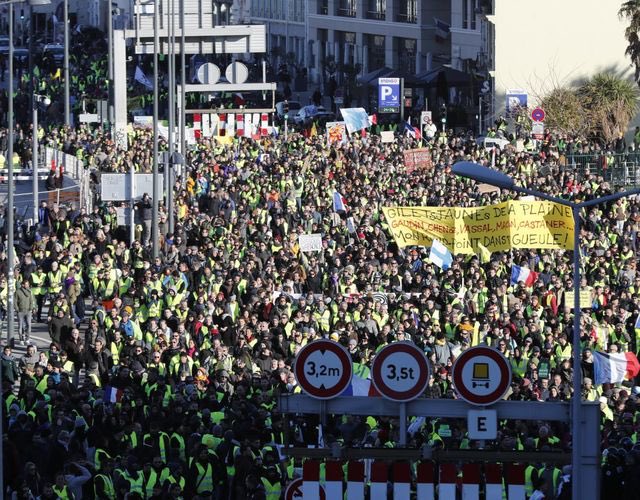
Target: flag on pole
440,255
339,203
524,274
57,75
113,394
485,254
142,79
613,368
412,131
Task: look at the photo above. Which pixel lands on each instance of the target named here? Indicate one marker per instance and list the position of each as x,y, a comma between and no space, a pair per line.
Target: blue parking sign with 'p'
388,95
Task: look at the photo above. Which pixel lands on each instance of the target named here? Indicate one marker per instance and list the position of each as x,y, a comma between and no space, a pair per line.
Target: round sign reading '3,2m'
323,369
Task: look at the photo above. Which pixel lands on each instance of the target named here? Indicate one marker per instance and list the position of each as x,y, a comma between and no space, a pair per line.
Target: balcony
403,17
346,12
377,15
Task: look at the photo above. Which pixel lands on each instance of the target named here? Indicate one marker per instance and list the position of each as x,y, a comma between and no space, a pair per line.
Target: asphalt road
23,195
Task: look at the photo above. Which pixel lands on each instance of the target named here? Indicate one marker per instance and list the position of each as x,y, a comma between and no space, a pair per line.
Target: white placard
310,242
387,136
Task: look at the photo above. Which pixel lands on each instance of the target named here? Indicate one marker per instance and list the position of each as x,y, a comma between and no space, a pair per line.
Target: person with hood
10,370
25,309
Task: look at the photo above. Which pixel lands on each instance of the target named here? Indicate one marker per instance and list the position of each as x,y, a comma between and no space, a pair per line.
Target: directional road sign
400,372
323,369
481,375
538,115
388,95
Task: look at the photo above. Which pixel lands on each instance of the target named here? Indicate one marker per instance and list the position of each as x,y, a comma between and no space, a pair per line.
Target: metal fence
618,169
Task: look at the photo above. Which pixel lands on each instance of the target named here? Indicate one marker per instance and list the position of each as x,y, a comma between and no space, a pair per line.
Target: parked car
308,114
294,107
55,51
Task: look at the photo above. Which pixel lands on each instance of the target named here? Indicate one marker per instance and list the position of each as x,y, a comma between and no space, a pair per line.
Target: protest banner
417,159
336,132
512,224
310,242
586,299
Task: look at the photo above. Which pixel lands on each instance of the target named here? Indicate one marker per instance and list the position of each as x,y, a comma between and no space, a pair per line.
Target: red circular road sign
400,372
537,115
295,490
323,369
481,375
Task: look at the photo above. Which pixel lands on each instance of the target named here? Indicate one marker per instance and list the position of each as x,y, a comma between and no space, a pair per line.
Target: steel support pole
183,82
110,63
172,111
10,203
576,419
34,162
156,181
402,438
67,104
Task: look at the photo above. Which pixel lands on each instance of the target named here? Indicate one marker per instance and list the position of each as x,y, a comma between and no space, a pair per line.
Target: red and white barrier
516,487
448,479
231,124
239,125
443,482
493,481
425,486
355,480
311,480
379,479
222,124
471,481
264,124
401,480
333,479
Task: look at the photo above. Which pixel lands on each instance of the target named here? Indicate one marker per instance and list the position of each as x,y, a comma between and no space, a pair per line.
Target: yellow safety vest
272,491
204,483
109,489
64,493
136,484
151,483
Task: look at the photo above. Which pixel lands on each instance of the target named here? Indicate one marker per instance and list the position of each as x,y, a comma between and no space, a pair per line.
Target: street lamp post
156,183
67,114
10,203
484,174
36,100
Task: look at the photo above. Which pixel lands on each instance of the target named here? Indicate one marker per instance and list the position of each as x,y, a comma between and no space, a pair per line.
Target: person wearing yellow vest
103,488
272,482
156,442
207,474
68,485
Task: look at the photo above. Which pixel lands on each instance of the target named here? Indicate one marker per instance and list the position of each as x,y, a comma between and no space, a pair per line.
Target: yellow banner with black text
512,224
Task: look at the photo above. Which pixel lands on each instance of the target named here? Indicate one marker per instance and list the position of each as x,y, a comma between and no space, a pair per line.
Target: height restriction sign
323,369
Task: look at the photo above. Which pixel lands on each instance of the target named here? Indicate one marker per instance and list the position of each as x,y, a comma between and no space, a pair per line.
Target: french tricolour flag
524,274
361,382
412,131
613,368
112,394
339,203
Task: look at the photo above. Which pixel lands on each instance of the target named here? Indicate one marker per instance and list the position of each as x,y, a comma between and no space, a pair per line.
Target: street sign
516,98
323,369
425,117
481,375
400,372
295,490
116,187
537,115
388,95
537,130
482,424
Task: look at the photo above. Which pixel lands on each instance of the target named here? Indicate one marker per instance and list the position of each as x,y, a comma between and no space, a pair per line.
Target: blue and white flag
440,255
442,28
355,119
142,79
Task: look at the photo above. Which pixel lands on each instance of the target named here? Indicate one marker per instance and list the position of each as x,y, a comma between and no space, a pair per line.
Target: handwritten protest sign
512,224
310,242
417,159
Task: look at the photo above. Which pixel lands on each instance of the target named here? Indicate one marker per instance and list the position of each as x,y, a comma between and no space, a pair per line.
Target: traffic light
443,113
285,108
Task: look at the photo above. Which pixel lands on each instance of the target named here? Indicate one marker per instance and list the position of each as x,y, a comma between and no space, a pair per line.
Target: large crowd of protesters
162,376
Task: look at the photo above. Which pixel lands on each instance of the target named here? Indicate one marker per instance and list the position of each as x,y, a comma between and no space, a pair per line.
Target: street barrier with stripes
399,480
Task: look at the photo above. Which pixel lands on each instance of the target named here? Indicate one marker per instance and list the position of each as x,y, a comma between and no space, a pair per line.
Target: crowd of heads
179,360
